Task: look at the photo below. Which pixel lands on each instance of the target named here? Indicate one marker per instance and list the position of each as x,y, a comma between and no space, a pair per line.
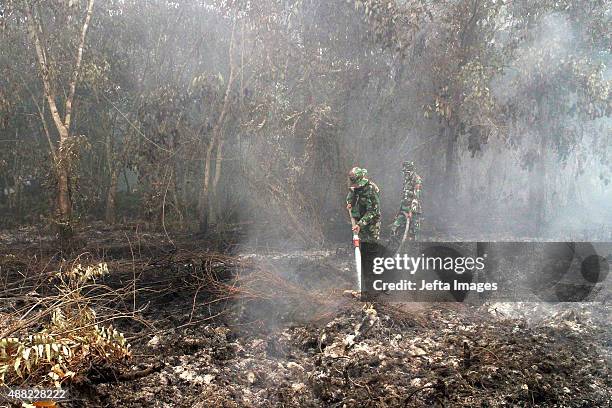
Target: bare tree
206,206
62,124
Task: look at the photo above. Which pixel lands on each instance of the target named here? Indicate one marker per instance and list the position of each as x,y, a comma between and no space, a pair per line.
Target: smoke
495,200
550,43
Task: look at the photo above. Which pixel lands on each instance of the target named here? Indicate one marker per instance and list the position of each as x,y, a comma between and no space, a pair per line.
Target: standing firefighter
410,207
363,201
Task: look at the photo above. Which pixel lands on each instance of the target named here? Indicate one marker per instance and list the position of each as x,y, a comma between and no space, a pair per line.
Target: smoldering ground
214,140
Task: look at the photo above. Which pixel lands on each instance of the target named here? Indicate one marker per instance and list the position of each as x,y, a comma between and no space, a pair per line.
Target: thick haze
266,106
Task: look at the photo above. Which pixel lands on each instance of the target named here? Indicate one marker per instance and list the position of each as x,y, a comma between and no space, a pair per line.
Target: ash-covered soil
413,355
292,337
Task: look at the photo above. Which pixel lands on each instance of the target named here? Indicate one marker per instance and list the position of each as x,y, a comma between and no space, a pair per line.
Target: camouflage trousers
370,232
413,231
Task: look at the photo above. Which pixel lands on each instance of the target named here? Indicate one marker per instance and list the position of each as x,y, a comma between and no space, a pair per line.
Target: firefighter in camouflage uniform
410,207
363,200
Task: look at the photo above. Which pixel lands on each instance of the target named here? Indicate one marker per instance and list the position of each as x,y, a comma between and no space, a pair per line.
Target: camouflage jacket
365,203
412,191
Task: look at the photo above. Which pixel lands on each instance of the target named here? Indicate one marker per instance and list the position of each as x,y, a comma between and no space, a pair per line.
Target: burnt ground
276,329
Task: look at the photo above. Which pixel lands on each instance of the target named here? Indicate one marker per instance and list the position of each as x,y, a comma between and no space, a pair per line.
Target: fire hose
357,249
408,216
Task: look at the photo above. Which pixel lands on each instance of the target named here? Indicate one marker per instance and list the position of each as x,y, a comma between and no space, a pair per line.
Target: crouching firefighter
363,202
407,222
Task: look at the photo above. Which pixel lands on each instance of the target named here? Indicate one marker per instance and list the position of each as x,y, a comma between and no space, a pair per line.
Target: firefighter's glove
394,228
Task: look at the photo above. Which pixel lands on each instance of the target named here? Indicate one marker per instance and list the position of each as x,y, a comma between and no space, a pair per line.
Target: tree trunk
538,179
214,205
64,202
206,211
113,171
204,201
178,204
451,168
111,198
538,190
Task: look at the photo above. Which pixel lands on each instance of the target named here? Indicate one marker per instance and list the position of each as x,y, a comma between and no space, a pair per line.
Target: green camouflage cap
408,166
358,177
